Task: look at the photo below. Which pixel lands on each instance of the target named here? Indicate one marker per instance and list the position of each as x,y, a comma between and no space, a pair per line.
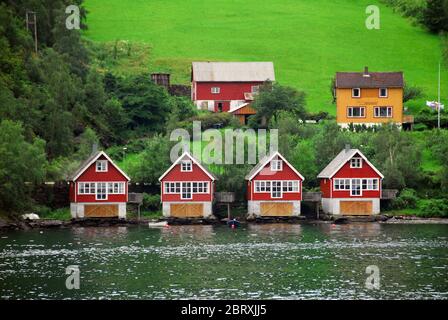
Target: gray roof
258,166
232,71
369,80
83,165
337,162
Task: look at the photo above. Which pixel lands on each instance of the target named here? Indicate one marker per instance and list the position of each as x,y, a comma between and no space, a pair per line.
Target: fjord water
258,261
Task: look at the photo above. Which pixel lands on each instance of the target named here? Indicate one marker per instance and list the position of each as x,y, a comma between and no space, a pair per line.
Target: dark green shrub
151,202
434,208
407,199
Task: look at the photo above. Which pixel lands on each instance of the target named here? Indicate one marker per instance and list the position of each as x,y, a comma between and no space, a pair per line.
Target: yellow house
369,98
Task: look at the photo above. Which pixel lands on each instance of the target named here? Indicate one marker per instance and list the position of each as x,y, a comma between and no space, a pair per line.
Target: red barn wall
267,174
90,175
365,172
176,175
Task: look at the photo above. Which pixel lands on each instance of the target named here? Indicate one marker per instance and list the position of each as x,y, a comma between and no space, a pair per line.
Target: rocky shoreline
110,222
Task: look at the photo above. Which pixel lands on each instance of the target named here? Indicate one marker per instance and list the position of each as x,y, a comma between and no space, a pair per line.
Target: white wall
253,207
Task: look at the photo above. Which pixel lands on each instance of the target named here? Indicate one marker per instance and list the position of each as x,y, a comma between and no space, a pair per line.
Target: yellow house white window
356,92
383,92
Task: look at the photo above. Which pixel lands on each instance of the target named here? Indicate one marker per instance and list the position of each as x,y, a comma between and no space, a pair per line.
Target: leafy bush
407,199
434,208
151,202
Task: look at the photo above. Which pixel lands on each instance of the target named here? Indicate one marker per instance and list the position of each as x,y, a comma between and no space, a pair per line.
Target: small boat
161,224
233,223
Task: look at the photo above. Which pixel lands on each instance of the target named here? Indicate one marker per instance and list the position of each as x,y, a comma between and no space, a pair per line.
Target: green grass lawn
308,40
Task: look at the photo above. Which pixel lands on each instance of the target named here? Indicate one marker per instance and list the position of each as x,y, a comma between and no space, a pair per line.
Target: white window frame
377,112
275,165
358,166
185,169
290,186
353,93
103,166
215,90
362,114
379,93
99,186
186,186
255,89
341,184
82,188
277,185
352,189
116,187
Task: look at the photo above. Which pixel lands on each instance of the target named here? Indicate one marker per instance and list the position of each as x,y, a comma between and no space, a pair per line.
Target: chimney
366,72
347,148
94,148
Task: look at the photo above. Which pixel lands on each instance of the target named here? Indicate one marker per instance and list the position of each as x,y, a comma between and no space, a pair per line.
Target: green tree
154,160
21,162
303,158
435,15
274,98
398,157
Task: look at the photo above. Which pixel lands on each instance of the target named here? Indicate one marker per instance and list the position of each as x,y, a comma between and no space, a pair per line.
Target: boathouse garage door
187,210
356,208
276,209
100,210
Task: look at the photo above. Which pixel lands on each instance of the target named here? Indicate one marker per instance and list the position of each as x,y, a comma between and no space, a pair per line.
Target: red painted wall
177,175
325,188
228,91
346,172
90,175
267,174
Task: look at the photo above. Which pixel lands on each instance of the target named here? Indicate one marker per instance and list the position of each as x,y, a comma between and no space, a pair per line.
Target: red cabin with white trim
187,189
351,185
224,86
274,188
98,188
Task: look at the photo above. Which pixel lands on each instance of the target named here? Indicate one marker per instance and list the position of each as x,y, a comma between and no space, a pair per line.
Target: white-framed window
101,166
356,92
370,184
341,184
115,188
186,190
216,90
383,92
200,187
356,162
356,112
383,112
290,186
276,189
255,89
262,186
276,165
355,189
86,188
186,166
101,191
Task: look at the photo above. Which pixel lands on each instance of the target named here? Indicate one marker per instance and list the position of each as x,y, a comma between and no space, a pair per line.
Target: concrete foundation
253,207
77,209
207,208
332,206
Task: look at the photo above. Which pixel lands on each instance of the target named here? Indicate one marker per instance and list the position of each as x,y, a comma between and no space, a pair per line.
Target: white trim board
187,154
102,153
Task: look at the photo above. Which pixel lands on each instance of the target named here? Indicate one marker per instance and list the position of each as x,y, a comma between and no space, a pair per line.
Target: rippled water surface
269,261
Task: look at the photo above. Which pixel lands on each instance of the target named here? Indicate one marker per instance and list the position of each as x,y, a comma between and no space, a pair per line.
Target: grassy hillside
308,40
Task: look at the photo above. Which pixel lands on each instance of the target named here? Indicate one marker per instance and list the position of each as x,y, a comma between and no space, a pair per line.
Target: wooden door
276,209
100,210
187,210
356,208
